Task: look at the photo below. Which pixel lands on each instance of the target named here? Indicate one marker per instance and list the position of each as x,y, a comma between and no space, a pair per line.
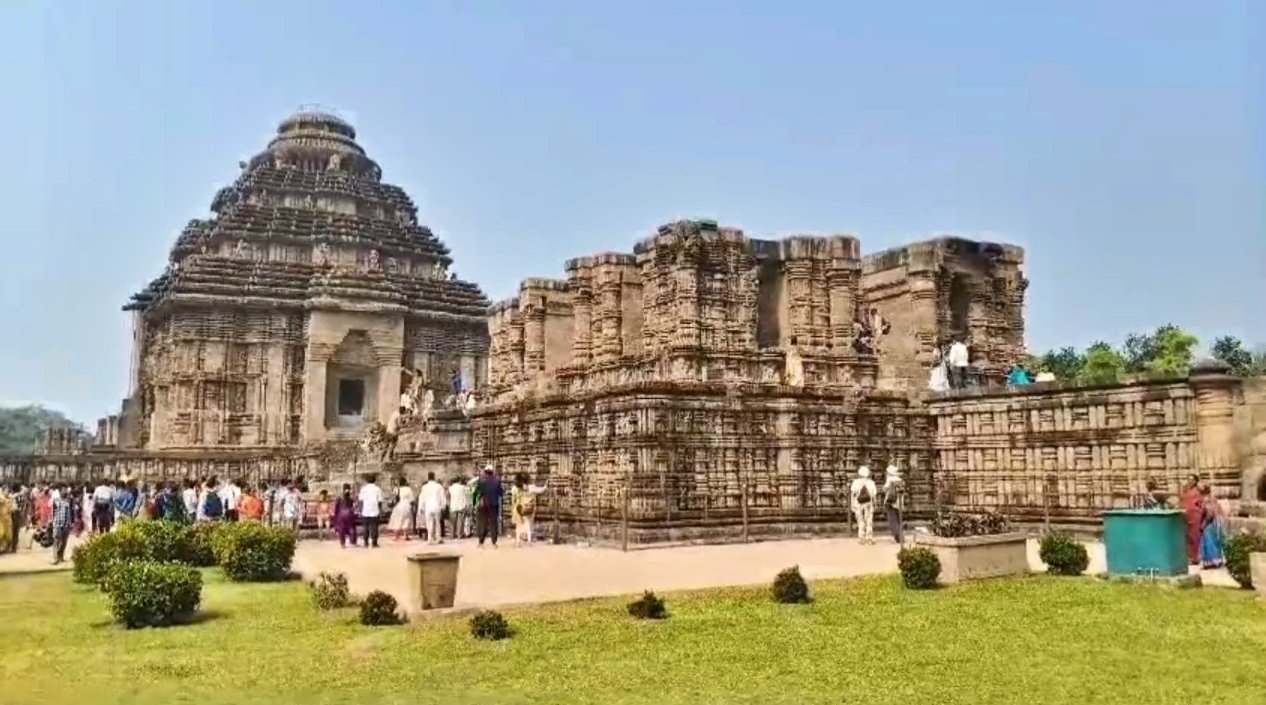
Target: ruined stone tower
287,316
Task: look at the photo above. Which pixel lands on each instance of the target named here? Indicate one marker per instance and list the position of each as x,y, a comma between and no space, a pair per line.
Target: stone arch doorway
351,383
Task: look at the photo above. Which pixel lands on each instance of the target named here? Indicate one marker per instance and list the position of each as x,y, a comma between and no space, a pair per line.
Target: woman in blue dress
1213,533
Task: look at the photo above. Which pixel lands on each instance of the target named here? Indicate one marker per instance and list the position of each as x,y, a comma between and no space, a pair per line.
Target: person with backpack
895,503
862,494
523,497
212,503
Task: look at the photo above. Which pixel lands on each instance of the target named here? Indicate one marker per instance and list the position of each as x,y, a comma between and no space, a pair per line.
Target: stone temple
706,385
286,317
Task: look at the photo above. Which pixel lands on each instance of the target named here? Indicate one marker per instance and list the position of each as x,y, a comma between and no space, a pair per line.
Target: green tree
1167,351
1231,350
21,426
1103,364
1065,363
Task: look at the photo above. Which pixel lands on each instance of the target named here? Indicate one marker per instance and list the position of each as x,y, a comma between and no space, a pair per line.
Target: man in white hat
862,493
895,502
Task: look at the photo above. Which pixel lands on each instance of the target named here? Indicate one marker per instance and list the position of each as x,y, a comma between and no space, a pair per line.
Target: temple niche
294,313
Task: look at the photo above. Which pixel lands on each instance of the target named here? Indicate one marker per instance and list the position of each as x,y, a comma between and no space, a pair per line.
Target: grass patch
1038,639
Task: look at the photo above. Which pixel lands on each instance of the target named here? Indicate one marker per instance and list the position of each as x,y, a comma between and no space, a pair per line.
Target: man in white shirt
230,496
459,507
958,361
862,498
102,507
432,501
370,499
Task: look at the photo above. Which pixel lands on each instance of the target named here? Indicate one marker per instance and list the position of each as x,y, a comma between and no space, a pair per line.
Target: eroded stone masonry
707,385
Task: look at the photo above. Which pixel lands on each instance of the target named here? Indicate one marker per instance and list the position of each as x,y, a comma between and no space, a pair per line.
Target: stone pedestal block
432,581
972,557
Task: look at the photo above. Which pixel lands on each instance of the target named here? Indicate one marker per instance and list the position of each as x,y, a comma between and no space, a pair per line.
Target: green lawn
1036,640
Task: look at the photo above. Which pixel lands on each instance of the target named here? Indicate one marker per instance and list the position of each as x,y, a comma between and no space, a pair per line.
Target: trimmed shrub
202,537
152,593
330,591
648,606
164,541
920,568
1063,554
489,625
957,525
789,587
378,609
93,559
1237,548
248,551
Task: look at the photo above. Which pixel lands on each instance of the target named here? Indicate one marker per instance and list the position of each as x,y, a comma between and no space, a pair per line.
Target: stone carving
336,162
392,264
309,201
323,255
372,262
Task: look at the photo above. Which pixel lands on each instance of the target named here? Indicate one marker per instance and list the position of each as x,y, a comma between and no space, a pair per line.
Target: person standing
63,516
1213,535
1192,503
102,508
488,506
959,359
523,508
862,495
895,503
459,507
402,515
345,518
231,497
432,502
370,499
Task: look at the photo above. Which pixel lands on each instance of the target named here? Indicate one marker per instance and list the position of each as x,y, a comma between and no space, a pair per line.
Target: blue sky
1119,141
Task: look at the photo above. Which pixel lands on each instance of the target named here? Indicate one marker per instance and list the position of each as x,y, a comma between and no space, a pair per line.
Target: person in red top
1192,503
251,506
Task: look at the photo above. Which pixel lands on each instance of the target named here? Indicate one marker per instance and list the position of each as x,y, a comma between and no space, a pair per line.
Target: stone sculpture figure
323,255
392,264
793,367
373,262
309,201
336,162
239,250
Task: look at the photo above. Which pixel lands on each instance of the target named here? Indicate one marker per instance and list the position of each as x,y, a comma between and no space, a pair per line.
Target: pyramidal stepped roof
308,223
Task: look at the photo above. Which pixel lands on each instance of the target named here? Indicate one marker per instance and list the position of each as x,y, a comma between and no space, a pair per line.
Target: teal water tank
1145,541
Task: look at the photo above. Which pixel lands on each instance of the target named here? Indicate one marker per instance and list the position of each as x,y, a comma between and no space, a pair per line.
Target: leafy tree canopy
1167,351
21,426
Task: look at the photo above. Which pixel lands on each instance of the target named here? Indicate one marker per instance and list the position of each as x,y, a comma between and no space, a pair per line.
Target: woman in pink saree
1192,503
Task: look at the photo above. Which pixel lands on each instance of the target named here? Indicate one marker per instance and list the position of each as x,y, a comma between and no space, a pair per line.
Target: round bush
152,593
648,606
202,537
789,587
919,566
163,540
378,609
330,591
251,552
1237,548
92,559
1063,554
489,625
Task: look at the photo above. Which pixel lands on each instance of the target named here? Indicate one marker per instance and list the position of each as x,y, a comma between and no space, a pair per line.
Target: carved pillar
533,337
799,301
843,276
1217,462
685,305
313,428
514,365
582,312
607,314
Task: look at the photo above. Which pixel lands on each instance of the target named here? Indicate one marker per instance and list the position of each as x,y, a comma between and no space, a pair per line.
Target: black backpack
863,495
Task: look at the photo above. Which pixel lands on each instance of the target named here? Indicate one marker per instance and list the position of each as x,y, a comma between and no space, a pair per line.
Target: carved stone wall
1068,452
934,292
691,461
695,302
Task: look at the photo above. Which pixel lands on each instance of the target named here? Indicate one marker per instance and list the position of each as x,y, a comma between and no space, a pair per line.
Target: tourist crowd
952,369
49,514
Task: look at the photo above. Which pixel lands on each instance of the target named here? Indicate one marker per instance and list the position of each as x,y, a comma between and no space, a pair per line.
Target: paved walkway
545,573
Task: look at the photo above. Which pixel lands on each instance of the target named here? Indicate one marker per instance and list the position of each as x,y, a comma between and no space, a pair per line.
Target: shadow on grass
199,617
28,572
